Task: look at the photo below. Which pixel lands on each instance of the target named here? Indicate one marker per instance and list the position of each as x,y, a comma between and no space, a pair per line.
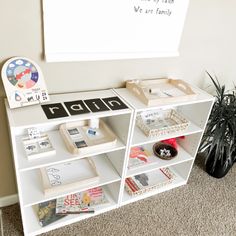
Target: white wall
208,43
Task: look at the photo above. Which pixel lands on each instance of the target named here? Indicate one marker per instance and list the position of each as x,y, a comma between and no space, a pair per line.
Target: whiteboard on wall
81,30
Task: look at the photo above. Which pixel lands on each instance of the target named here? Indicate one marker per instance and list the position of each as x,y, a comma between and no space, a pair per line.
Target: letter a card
76,107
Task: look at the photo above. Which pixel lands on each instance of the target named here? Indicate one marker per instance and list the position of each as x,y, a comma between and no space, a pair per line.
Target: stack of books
82,202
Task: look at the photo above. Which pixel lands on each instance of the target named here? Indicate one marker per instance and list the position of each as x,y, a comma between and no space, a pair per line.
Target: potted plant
219,139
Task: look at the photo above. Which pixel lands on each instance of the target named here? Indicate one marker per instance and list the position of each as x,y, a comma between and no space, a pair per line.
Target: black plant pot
220,169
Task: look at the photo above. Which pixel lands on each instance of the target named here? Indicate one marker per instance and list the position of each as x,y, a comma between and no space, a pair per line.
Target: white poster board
78,30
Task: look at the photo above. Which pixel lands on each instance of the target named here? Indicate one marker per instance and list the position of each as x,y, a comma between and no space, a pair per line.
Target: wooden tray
68,176
78,141
158,91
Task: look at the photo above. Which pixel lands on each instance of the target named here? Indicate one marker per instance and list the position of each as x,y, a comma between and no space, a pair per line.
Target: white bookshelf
196,110
109,161
112,162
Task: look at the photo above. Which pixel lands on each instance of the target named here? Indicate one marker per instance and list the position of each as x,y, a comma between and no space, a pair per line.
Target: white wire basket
158,123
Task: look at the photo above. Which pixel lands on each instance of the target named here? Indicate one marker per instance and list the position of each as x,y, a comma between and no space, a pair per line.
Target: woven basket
166,171
175,120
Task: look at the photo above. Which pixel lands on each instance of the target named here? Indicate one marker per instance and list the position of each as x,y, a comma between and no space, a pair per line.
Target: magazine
82,202
47,213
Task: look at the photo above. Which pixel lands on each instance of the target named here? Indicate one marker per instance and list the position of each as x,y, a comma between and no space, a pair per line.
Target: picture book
82,202
145,182
47,213
138,156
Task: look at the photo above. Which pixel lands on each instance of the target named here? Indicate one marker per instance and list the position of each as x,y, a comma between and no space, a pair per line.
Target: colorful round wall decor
22,73
24,83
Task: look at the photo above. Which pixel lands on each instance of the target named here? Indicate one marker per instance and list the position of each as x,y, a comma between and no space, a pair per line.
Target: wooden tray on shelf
146,182
158,91
161,122
68,176
79,141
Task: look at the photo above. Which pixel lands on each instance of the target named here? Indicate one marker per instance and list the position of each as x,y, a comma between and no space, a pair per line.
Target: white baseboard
8,200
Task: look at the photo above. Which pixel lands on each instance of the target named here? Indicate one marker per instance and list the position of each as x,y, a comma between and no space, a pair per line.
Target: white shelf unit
196,110
109,161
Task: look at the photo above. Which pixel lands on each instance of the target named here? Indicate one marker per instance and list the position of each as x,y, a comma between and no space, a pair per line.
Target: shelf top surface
138,105
34,115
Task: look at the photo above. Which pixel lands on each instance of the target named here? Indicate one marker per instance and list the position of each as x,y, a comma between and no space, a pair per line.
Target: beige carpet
205,206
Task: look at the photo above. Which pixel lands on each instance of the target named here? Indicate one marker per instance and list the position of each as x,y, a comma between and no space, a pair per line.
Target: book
138,156
82,202
46,213
146,182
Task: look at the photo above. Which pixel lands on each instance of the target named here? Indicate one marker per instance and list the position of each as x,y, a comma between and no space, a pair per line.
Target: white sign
112,29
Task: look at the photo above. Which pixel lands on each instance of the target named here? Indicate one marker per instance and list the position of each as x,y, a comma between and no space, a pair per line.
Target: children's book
82,202
138,156
47,213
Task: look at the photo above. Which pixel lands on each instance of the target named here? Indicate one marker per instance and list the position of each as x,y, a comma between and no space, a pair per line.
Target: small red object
26,71
172,141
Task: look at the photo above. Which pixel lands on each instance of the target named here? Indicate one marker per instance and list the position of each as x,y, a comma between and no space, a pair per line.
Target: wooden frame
157,91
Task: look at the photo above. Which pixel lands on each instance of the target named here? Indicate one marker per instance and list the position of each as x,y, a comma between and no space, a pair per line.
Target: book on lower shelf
46,212
77,203
139,156
68,176
82,202
146,182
